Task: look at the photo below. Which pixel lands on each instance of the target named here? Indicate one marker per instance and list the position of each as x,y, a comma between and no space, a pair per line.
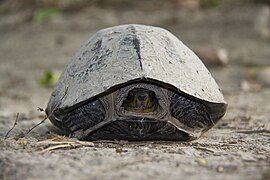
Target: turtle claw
79,134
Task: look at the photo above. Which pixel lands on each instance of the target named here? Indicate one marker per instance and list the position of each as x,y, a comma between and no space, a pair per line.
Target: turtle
135,82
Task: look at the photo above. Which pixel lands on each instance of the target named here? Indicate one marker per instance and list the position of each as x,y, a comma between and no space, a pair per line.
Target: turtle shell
122,54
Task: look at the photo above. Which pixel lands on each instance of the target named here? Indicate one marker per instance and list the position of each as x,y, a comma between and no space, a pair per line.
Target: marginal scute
121,54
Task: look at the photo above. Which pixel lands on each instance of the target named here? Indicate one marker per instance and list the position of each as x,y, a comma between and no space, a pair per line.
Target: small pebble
250,85
201,162
220,169
213,56
120,150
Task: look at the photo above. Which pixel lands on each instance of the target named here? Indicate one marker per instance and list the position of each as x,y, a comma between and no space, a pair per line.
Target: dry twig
62,142
205,149
254,131
47,117
40,109
15,123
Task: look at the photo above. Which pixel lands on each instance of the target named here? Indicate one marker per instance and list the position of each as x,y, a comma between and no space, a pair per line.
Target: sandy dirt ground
236,148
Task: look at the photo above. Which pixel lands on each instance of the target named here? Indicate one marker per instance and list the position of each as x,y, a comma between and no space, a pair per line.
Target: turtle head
140,100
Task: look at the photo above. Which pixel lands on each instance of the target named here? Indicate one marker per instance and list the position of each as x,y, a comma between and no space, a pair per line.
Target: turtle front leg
192,114
82,118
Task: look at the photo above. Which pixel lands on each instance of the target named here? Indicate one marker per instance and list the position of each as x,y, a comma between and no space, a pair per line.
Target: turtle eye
151,93
129,96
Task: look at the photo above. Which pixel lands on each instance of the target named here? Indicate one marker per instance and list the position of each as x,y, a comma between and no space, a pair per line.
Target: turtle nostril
142,97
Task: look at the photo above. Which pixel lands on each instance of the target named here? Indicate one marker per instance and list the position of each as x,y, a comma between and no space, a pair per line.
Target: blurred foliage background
75,5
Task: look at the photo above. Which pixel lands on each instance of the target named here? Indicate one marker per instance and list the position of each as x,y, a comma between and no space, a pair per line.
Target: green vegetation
214,3
49,78
45,14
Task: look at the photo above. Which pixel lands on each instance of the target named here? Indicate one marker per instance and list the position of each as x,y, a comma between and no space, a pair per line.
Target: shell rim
209,104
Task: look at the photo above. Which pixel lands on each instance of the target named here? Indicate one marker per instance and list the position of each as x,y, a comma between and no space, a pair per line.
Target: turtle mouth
141,108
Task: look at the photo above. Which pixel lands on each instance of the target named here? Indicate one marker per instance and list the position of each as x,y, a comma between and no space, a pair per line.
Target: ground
236,148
